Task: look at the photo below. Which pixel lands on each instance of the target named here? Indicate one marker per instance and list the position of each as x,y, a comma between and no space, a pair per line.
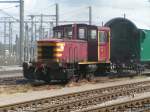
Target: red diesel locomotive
76,50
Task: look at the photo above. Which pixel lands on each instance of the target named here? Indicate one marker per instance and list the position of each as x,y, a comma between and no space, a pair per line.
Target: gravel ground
28,87
21,93
120,100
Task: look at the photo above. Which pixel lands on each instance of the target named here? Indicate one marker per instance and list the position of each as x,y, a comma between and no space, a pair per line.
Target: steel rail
137,103
88,101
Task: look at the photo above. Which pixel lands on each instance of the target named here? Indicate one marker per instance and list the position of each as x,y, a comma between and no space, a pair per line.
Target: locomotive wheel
25,69
75,78
64,81
46,76
90,77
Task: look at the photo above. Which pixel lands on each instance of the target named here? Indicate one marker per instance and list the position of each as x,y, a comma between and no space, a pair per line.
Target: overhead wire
4,12
10,7
29,11
9,15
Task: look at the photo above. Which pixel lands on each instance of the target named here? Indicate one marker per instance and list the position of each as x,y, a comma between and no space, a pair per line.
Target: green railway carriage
145,46
129,44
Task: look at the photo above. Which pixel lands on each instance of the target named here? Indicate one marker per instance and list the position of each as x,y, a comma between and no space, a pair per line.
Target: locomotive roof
81,25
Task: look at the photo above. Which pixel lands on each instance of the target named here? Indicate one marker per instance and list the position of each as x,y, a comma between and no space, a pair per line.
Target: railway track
135,105
79,100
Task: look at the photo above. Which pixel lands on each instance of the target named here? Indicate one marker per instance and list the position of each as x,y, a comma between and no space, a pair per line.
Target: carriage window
68,32
103,38
58,34
93,34
81,33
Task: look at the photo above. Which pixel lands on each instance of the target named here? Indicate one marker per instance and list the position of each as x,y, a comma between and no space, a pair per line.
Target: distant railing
8,60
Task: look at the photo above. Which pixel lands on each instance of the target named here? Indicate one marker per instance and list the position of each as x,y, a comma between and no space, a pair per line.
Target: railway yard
74,56
124,94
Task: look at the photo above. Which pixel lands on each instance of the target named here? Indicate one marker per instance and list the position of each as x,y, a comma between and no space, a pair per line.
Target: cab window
93,34
102,37
57,34
81,33
68,32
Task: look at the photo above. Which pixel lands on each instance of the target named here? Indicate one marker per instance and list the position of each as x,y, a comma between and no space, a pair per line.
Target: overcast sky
103,10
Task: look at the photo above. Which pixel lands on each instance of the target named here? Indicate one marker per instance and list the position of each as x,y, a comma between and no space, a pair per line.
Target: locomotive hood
50,40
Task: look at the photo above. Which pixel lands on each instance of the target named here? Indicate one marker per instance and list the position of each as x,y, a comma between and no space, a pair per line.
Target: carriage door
103,46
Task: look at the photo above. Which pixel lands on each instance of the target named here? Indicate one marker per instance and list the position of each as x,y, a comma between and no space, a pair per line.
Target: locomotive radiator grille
50,51
45,52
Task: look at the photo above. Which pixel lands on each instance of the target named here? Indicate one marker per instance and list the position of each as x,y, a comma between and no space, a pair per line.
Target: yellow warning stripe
55,60
98,46
109,44
51,44
87,62
58,55
58,50
94,62
39,49
55,55
55,50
